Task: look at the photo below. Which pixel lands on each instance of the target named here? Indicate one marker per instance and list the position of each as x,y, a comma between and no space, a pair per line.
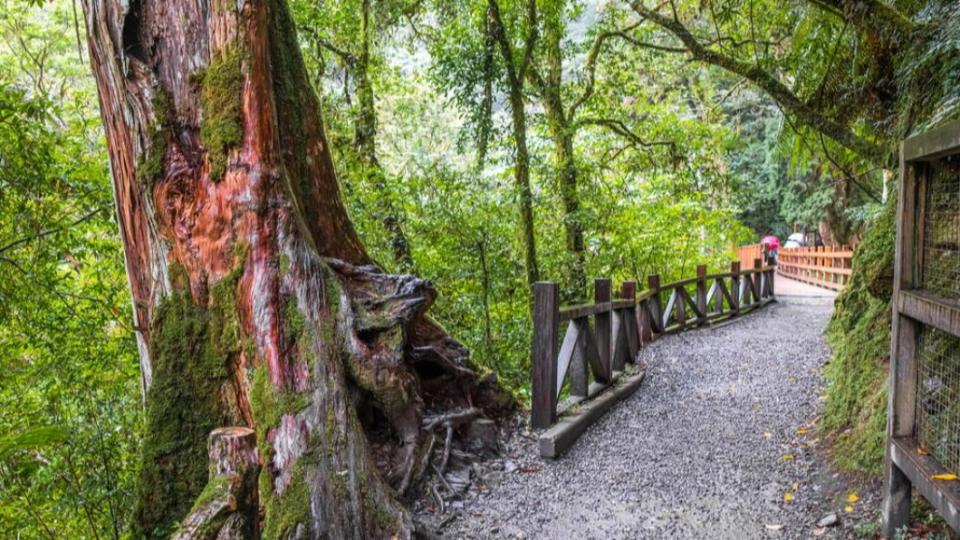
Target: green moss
382,519
221,88
283,513
294,321
270,404
859,334
191,348
216,488
150,164
295,107
331,291
331,427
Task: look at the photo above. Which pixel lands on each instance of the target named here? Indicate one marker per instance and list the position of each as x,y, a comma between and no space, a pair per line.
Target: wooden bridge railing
747,253
824,266
600,339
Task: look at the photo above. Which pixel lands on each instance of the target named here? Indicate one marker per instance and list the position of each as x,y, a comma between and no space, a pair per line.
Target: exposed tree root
405,363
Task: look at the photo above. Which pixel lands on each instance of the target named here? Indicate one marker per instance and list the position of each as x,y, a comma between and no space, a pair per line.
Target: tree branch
590,67
515,73
846,172
771,85
348,58
531,40
618,127
48,232
871,16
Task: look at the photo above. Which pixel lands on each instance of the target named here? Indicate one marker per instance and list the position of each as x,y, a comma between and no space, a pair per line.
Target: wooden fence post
757,281
656,320
602,323
679,307
702,293
628,291
735,288
546,309
771,275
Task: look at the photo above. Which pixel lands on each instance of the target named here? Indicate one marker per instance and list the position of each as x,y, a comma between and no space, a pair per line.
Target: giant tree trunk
254,301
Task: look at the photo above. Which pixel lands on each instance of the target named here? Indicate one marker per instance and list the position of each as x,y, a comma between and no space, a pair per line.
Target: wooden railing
824,266
748,253
601,340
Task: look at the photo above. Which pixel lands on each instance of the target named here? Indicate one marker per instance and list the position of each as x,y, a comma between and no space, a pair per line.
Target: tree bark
562,133
366,141
518,115
255,303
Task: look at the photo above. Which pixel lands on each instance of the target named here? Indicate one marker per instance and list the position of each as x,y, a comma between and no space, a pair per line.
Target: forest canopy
483,145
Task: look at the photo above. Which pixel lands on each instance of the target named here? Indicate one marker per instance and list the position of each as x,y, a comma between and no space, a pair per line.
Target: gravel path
707,448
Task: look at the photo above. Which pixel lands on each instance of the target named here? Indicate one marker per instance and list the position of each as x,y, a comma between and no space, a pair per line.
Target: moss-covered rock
859,334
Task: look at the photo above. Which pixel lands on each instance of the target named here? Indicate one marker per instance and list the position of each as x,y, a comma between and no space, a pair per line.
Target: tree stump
227,507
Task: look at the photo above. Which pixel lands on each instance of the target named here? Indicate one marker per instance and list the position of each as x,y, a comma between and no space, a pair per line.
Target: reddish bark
255,237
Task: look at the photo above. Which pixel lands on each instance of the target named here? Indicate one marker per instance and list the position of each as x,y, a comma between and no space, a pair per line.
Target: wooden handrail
825,266
748,253
620,327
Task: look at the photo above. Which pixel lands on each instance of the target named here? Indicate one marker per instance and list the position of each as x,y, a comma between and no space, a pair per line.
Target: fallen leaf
922,452
944,477
787,457
853,497
801,431
767,434
848,509
788,496
795,486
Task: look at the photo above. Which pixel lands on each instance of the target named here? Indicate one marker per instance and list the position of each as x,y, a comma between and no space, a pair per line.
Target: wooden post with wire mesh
923,424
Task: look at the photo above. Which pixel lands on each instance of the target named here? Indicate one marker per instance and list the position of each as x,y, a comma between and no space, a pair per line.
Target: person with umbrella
771,248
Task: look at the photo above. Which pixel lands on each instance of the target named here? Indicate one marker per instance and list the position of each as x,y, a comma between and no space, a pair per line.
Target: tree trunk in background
518,116
366,141
254,300
562,134
521,176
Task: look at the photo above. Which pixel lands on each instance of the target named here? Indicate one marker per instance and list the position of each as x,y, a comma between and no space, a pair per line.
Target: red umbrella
771,241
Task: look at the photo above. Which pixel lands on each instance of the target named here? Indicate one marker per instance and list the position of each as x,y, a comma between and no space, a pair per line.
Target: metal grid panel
941,229
938,396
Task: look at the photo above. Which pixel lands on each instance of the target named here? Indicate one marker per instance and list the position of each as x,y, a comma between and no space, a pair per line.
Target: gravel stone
828,520
714,444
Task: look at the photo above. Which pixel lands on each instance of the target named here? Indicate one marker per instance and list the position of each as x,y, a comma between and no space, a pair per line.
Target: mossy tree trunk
255,303
516,69
366,141
549,86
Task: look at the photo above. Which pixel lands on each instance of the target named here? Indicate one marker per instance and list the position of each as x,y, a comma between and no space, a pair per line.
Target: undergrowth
859,334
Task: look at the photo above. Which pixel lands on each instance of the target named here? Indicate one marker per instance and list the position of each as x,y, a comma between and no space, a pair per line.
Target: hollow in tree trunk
256,305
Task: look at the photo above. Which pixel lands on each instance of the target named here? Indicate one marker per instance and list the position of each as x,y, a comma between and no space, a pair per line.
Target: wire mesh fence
938,386
941,230
938,396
